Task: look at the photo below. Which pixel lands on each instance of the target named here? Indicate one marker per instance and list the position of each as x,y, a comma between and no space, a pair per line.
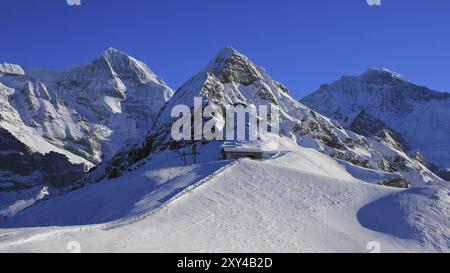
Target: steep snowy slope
91,110
75,118
298,200
382,99
230,79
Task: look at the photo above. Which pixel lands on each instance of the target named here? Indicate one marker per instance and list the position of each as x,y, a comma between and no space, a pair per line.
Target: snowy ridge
187,190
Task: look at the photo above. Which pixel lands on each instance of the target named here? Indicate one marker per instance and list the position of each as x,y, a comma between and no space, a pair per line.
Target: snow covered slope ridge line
230,79
128,199
82,116
380,99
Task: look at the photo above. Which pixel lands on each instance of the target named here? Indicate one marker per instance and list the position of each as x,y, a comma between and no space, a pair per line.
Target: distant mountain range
107,116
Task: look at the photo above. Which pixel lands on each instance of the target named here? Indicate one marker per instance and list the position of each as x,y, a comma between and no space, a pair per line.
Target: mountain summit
124,66
383,75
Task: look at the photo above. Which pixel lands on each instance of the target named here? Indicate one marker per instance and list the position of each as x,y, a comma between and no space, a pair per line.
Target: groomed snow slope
296,201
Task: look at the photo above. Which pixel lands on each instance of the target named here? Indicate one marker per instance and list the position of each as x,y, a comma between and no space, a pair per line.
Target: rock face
54,126
398,182
22,168
232,79
381,99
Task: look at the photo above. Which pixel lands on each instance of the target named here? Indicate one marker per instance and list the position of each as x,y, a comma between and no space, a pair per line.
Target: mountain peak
125,66
381,74
226,56
112,50
112,54
8,68
227,52
232,66
230,77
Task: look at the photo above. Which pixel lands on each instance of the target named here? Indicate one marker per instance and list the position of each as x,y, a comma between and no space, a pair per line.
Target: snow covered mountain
381,99
230,79
54,126
321,179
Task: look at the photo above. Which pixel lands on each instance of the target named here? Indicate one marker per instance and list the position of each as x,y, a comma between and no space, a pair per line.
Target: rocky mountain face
23,168
54,126
231,79
417,117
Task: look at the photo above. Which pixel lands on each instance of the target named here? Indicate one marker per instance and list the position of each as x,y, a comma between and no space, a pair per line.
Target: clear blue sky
302,43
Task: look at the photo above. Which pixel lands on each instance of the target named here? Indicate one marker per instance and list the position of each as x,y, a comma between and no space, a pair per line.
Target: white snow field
298,200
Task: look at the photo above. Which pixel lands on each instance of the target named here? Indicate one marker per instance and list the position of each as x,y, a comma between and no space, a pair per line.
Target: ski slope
299,200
